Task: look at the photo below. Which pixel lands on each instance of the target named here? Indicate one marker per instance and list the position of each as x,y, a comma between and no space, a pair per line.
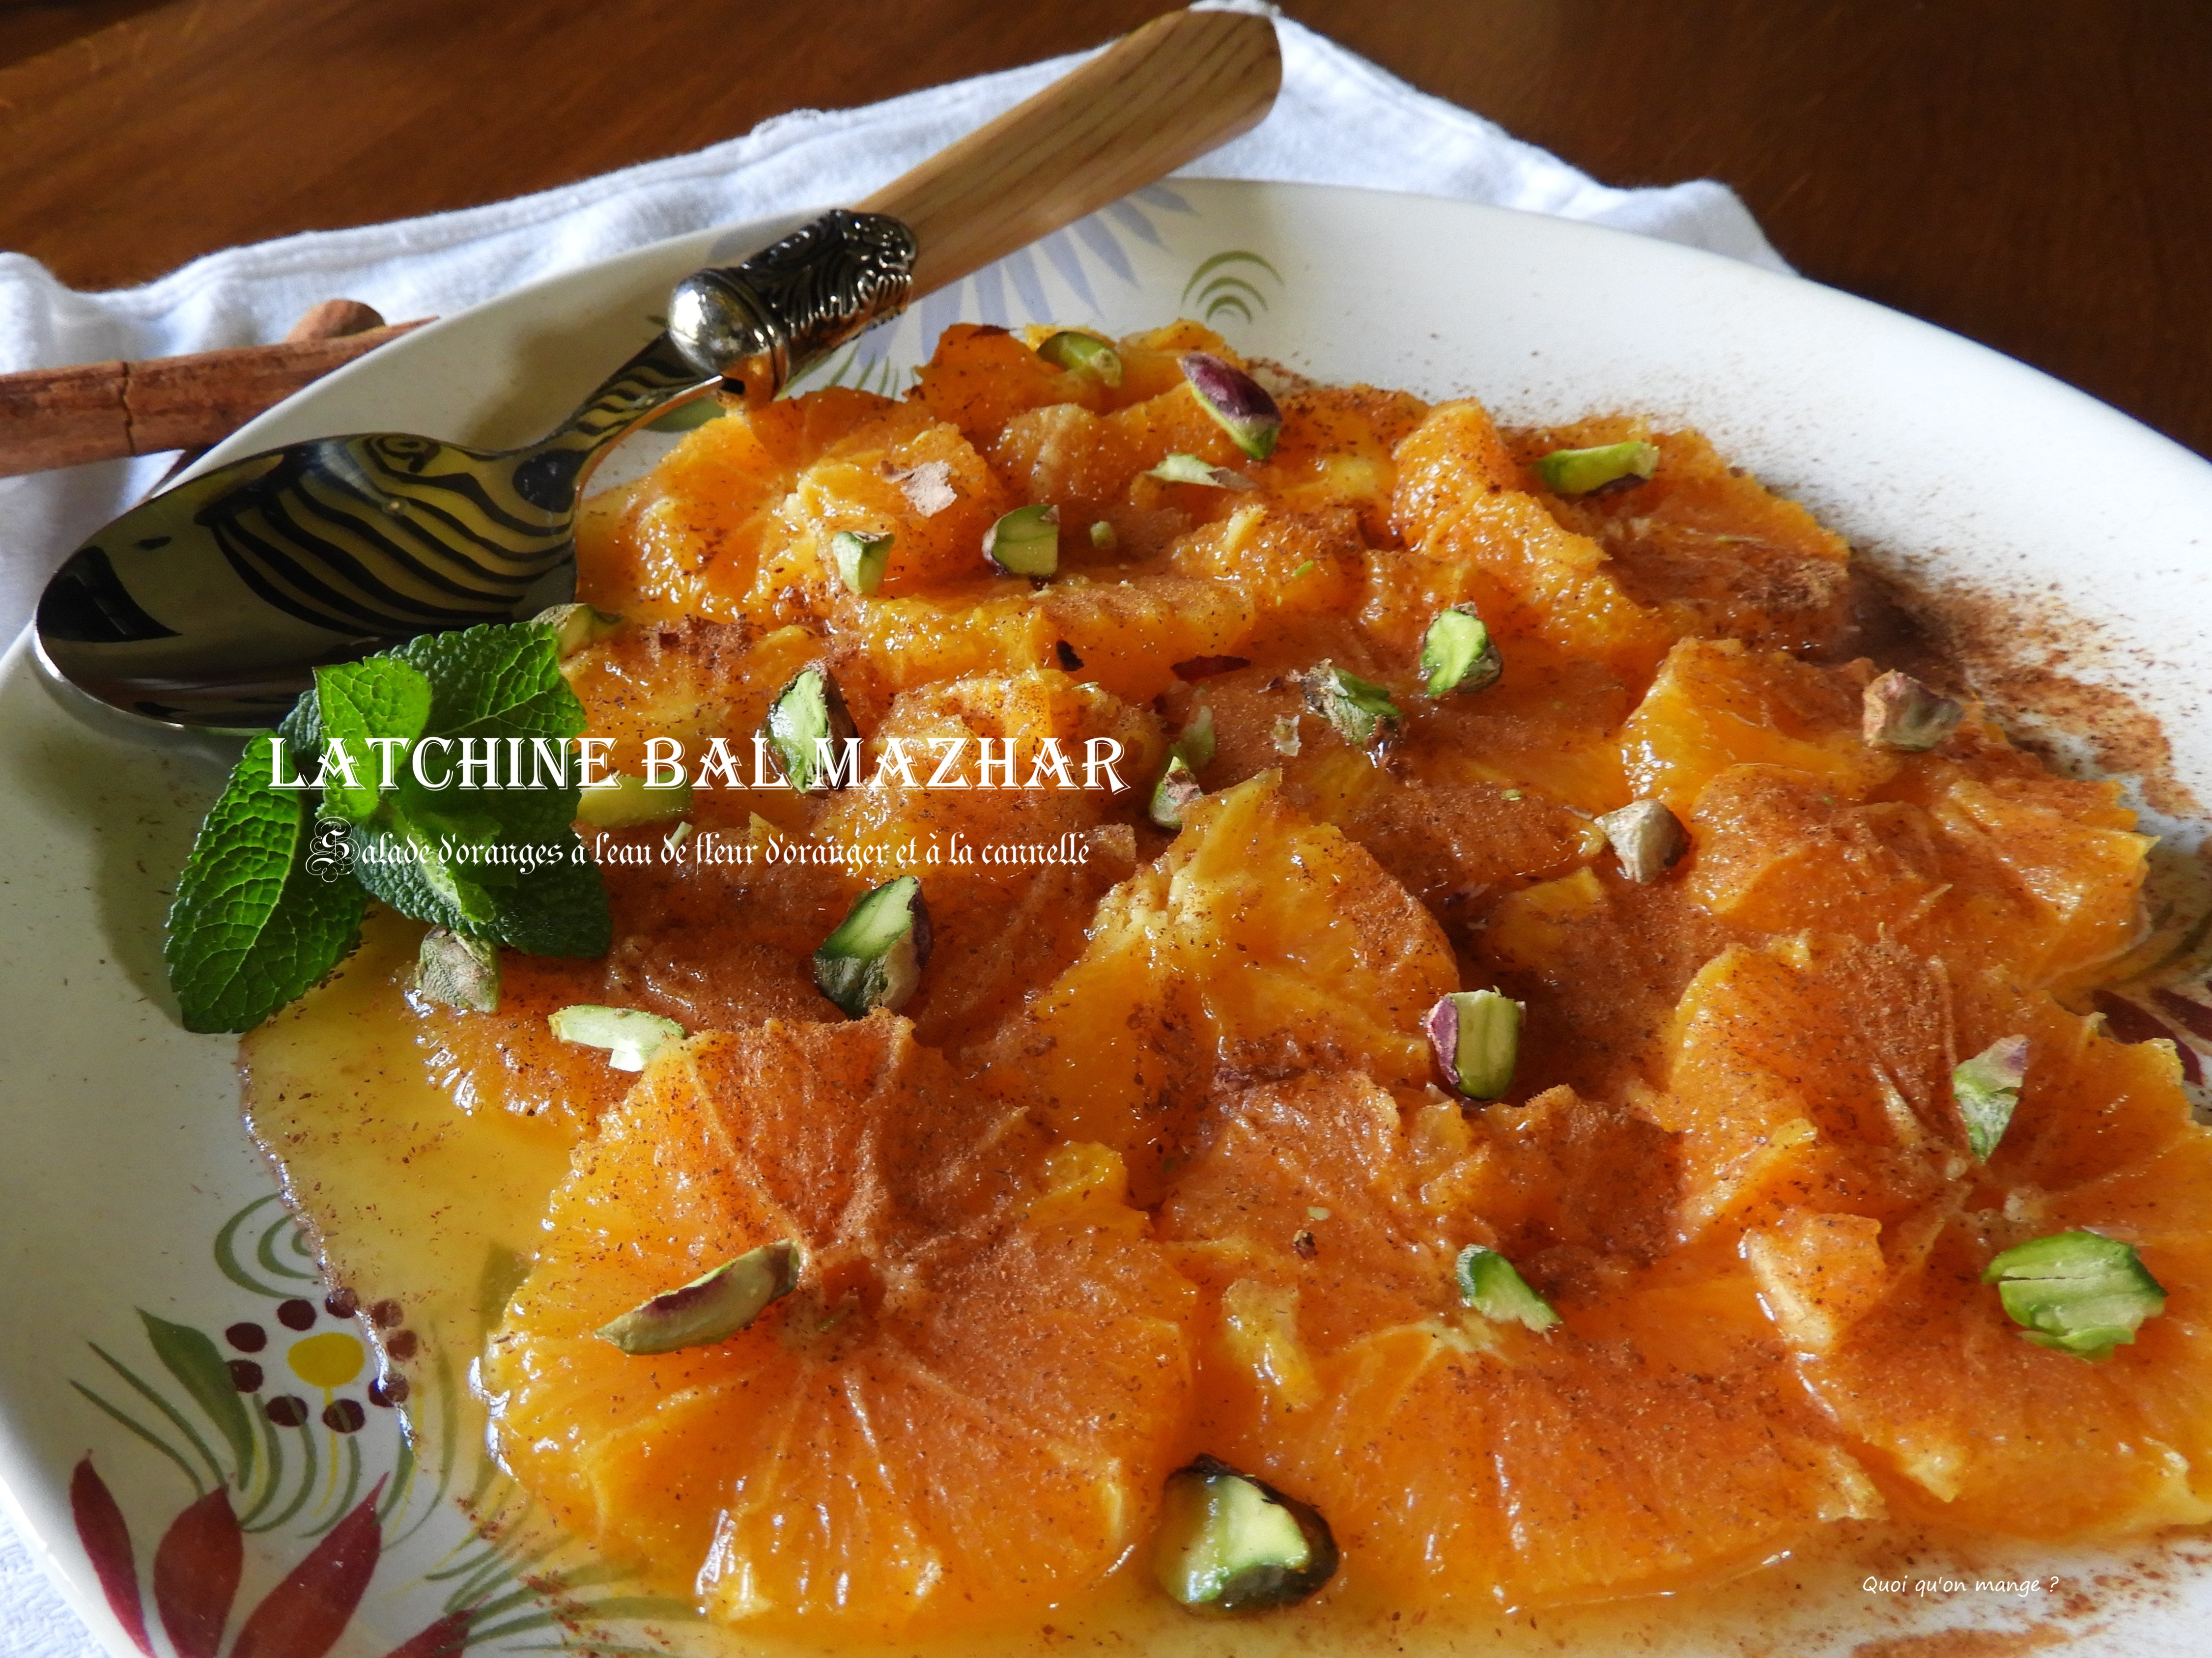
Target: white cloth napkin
1339,120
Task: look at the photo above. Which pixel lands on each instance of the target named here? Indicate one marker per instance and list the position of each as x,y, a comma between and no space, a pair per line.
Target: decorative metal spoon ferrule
762,322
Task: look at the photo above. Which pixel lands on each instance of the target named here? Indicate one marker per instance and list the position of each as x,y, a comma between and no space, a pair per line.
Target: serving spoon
208,605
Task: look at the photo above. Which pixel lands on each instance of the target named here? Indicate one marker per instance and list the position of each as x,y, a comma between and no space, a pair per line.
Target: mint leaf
496,681
255,922
501,863
562,910
357,702
545,896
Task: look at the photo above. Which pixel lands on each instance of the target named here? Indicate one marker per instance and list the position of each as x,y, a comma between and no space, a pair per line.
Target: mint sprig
272,896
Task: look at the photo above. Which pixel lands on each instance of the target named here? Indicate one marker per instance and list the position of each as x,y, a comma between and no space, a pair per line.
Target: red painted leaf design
106,1540
2193,1016
443,1639
303,1616
196,1574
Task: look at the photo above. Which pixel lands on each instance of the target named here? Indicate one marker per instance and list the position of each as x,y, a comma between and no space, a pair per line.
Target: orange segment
1815,1073
1127,632
691,538
1260,941
963,1413
1975,863
1473,532
1705,540
1716,704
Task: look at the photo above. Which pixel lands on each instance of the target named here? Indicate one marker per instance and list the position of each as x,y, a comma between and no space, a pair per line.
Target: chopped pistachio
624,801
1476,1036
927,487
1359,709
456,971
1025,542
1578,472
629,1035
1231,1544
807,714
1987,1089
575,626
1285,734
713,1307
1510,794
1176,794
875,957
1458,654
1900,713
1239,404
1102,537
1195,743
860,560
1072,350
1303,569
1489,1284
2080,1292
1647,838
1179,468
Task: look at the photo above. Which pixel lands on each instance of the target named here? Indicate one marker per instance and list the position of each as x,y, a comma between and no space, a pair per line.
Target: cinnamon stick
106,410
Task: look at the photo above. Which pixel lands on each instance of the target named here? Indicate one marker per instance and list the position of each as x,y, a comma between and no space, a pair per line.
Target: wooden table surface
2034,173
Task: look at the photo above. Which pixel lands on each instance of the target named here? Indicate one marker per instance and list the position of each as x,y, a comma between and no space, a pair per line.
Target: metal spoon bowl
327,550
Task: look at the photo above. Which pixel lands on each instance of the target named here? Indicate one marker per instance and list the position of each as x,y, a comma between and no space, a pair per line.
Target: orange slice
964,1411
1650,1439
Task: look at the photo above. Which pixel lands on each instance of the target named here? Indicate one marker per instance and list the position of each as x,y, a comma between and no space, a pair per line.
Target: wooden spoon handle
106,410
1161,96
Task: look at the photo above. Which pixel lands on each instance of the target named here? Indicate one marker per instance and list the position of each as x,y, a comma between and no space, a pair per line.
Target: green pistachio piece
630,1035
623,802
875,957
1359,709
575,626
1489,1284
1072,350
1176,794
1458,654
456,971
1195,743
1239,404
1987,1089
1647,838
1179,468
1230,1544
1578,472
1025,542
860,560
713,1307
1899,712
1475,1038
1102,537
809,727
2079,1292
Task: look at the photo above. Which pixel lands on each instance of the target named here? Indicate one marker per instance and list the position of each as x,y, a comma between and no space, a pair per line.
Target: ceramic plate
166,1332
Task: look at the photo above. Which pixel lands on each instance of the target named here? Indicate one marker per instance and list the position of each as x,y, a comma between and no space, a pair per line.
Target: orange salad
1169,1154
